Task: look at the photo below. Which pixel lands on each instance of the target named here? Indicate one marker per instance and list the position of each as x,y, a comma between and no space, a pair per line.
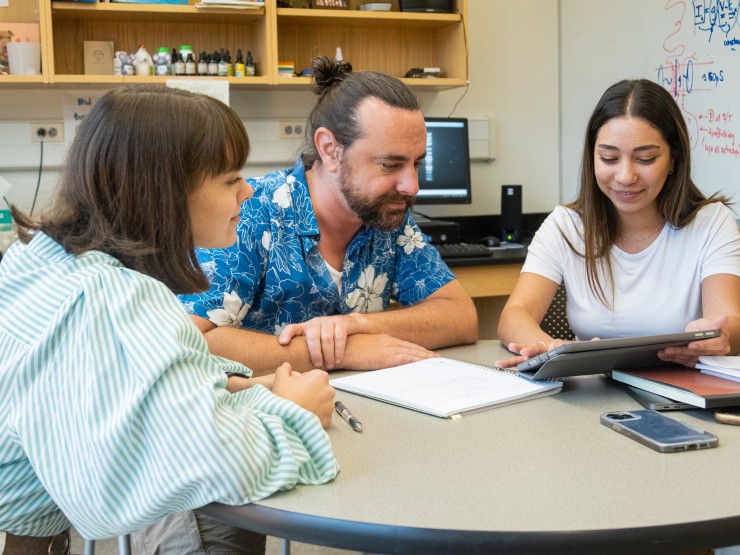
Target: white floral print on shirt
410,240
368,296
281,196
233,312
266,240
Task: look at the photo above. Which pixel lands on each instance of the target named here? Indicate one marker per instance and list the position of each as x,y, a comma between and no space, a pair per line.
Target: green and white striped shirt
114,414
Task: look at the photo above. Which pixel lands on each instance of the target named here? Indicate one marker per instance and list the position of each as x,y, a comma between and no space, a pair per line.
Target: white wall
514,80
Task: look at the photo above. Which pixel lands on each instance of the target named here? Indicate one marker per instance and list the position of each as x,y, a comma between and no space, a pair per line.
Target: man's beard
373,212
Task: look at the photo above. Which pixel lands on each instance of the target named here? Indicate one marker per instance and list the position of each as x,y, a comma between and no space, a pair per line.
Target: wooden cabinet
490,287
26,11
129,25
391,42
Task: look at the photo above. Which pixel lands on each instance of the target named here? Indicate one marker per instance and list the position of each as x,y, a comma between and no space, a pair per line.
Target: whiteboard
690,47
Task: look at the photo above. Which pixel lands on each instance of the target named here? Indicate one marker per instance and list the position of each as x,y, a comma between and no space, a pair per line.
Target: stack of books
235,4
286,69
724,367
715,382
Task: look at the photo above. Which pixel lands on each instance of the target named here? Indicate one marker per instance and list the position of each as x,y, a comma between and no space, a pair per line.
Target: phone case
727,417
657,431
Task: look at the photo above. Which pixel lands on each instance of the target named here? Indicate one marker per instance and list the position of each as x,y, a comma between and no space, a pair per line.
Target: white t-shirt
336,276
657,290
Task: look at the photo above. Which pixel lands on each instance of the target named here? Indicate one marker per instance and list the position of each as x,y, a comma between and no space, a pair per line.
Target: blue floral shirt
274,275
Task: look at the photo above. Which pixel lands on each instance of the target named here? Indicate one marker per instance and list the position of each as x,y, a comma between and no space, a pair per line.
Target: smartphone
658,431
728,415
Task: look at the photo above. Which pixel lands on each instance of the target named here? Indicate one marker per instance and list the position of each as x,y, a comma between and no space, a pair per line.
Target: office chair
555,322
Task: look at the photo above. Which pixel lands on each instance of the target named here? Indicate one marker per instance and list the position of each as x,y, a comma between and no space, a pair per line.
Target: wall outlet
53,132
292,130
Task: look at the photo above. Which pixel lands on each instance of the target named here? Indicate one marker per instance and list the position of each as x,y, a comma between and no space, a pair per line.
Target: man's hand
326,338
716,346
371,351
310,390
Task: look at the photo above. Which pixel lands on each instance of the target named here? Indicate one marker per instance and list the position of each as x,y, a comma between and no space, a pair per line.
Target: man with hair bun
331,241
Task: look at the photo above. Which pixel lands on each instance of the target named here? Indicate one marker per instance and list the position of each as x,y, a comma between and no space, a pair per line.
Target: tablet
653,401
597,357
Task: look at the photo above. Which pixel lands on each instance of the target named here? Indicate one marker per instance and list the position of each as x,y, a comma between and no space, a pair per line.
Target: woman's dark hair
679,200
340,92
124,188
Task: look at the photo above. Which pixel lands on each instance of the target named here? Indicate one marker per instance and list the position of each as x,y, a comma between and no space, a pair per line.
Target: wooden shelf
390,42
21,80
131,25
147,12
152,79
358,19
435,84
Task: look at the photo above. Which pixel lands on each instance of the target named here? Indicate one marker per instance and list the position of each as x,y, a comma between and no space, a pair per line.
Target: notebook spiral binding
506,370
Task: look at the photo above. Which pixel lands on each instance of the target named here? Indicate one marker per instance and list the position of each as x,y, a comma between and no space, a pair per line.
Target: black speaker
511,213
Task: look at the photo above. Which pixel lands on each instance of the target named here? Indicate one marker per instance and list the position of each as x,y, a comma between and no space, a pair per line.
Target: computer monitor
444,174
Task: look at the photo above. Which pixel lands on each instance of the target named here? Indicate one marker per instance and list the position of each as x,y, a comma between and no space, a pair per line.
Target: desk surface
538,476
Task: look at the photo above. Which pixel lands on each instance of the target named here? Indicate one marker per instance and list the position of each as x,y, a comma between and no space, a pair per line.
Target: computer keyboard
463,250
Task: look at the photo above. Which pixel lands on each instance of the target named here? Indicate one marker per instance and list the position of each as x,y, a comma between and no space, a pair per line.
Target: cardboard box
98,57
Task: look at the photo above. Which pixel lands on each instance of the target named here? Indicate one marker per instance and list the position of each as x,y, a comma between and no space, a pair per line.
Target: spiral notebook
445,387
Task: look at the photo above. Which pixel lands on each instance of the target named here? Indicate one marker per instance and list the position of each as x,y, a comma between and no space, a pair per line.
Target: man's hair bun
327,72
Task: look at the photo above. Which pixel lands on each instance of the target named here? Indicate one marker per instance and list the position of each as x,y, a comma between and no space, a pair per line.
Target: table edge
387,538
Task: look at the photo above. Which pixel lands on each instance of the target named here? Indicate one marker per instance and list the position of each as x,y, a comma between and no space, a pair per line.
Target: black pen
348,416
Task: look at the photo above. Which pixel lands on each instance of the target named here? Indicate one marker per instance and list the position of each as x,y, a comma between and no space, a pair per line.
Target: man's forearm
446,318
259,351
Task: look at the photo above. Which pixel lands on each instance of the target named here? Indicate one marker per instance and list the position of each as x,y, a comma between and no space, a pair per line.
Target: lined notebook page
444,387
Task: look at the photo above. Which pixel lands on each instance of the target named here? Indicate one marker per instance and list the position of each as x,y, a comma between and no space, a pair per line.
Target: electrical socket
54,132
292,129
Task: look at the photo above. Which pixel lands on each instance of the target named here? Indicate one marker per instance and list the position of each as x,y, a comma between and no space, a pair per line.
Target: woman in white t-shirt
641,251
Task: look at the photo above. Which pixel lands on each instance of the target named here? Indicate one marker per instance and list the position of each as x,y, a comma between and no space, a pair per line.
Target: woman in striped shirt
113,414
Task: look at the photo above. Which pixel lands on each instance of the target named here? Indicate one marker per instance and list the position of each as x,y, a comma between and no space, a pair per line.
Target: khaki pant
191,532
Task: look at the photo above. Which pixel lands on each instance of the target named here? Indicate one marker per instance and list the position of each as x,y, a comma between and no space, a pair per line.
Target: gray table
537,476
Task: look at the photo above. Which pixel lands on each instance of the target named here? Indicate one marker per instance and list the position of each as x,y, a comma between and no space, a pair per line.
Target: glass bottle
203,63
213,64
249,69
179,65
239,65
223,70
229,65
190,65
